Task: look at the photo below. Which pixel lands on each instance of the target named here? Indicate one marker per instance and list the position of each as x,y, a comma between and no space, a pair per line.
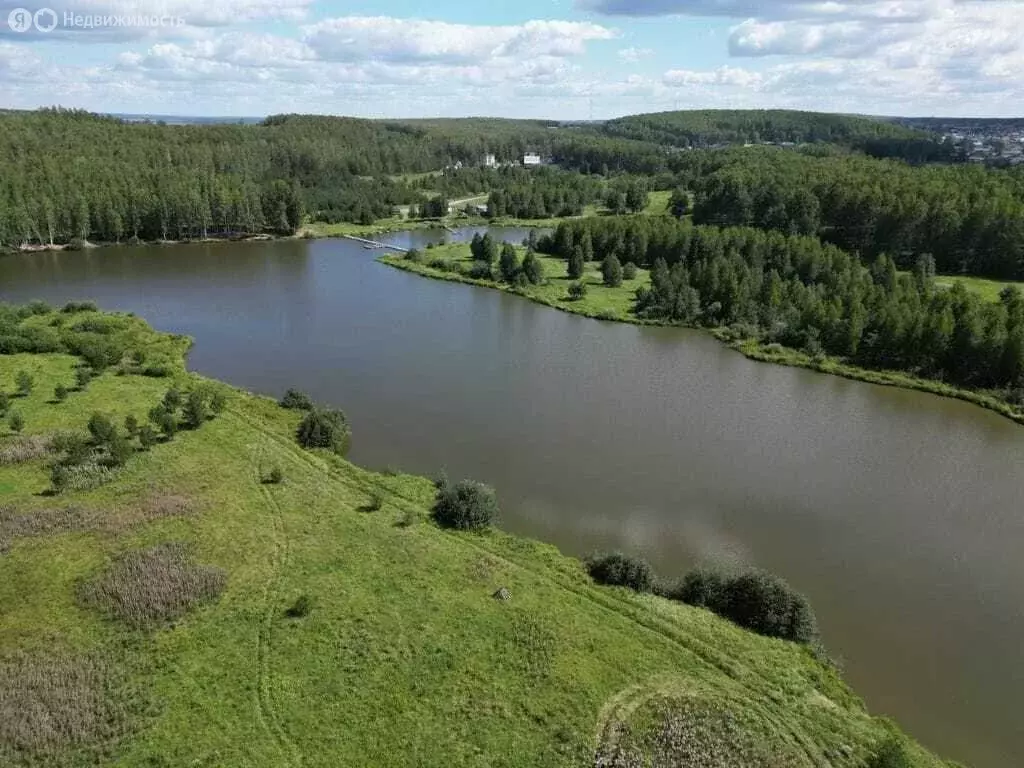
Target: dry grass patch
692,732
150,587
27,448
58,709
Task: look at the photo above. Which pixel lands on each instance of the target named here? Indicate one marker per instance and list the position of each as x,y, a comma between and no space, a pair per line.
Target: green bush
172,400
60,393
702,588
296,401
25,383
16,422
324,429
756,600
481,270
194,412
163,420
78,306
577,290
611,270
300,608
218,403
5,403
466,505
101,428
629,271
147,437
620,570
275,476
415,255
131,425
83,375
892,753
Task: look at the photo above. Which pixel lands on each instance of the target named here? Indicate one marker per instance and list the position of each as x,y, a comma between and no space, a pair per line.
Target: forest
799,292
72,176
971,219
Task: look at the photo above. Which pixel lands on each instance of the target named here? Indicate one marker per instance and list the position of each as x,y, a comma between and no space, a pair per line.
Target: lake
898,513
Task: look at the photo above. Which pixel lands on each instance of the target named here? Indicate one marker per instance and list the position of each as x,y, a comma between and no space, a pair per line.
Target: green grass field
404,659
987,289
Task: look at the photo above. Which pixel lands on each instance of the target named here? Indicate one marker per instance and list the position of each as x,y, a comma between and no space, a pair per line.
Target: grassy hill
156,620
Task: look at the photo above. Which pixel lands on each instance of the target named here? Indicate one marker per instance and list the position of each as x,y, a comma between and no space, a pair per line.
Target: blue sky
568,59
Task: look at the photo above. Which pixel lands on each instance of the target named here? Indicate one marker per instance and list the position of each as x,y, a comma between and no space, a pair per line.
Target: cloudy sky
528,58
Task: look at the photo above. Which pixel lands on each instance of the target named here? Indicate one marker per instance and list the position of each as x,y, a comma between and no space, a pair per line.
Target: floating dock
375,244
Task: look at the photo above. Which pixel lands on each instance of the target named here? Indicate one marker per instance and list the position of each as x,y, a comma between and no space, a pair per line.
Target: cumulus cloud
891,10
725,76
355,38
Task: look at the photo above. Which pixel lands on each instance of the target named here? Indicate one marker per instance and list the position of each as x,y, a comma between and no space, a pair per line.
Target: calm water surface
900,514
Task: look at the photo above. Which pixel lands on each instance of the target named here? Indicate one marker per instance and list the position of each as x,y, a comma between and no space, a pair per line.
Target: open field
987,289
404,658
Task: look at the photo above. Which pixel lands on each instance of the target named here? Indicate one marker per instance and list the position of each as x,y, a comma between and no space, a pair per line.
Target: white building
531,158
490,161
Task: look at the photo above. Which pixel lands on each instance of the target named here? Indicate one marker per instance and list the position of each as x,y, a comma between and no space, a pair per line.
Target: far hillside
709,127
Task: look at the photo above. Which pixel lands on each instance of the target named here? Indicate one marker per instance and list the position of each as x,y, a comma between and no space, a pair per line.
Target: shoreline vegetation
452,262
300,596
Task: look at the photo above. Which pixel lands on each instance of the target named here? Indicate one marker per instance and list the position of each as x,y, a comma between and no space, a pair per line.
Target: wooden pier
376,244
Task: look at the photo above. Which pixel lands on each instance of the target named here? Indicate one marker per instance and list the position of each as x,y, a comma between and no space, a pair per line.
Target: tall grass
53,704
148,587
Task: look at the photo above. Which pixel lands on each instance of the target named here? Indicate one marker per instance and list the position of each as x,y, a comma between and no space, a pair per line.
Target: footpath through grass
156,620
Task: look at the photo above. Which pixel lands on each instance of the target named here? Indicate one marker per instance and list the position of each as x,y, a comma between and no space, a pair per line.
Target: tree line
970,219
799,292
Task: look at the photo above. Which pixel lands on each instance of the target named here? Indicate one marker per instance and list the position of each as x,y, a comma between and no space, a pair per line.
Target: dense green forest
70,175
969,218
704,128
799,292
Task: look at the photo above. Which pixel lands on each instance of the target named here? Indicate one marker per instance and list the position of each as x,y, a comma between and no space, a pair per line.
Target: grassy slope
406,659
617,304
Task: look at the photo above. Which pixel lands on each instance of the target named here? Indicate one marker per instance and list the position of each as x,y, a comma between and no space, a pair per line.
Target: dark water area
900,514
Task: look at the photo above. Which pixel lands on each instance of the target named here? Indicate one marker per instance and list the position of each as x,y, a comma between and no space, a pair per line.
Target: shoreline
749,348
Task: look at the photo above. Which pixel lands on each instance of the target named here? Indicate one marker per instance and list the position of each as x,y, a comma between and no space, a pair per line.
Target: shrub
755,600
375,504
153,586
481,270
620,570
415,255
163,420
300,608
892,753
172,400
101,428
296,401
703,588
442,264
194,412
147,437
16,422
611,270
83,375
467,505
324,429
5,403
131,425
508,263
25,383
218,403
577,290
629,271
275,476
78,306
119,451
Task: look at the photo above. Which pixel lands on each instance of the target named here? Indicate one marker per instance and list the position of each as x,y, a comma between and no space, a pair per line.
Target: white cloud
383,38
633,55
904,10
724,76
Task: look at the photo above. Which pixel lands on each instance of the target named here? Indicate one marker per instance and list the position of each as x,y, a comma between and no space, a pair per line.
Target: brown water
900,514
